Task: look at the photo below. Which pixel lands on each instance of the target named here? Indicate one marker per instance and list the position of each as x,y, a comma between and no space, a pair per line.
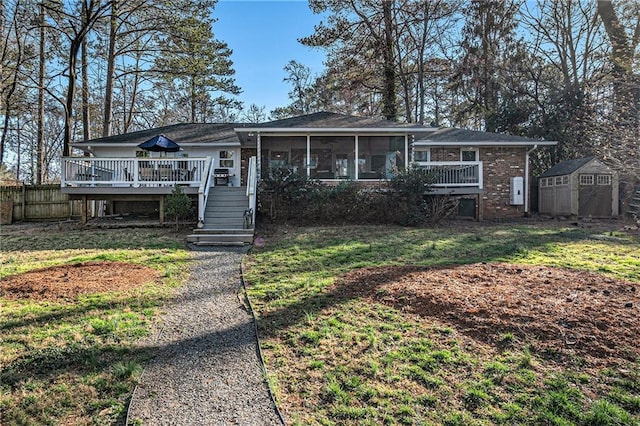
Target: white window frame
226,162
603,180
586,180
474,150
428,151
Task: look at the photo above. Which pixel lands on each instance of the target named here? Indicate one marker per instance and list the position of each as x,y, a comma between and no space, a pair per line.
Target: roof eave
83,145
309,130
485,143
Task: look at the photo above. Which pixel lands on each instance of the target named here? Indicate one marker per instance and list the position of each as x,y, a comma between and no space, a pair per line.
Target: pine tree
194,62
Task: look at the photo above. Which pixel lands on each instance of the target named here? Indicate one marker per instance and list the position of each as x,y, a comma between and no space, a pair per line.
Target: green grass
77,362
338,359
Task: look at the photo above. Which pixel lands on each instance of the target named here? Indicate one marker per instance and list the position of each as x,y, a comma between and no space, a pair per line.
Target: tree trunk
41,75
193,99
68,109
626,93
86,131
389,109
11,90
128,120
108,91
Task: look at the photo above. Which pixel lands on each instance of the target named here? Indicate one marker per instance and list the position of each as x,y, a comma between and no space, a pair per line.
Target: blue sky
263,35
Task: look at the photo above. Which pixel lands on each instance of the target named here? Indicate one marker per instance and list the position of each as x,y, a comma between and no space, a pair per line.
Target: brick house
221,163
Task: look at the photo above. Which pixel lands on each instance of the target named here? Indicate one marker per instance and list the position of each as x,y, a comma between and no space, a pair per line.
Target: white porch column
413,150
406,151
308,165
357,156
259,156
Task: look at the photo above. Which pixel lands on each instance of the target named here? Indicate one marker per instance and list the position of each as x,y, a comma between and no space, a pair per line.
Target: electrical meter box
517,191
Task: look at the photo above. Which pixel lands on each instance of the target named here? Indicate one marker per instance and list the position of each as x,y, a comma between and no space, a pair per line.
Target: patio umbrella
160,143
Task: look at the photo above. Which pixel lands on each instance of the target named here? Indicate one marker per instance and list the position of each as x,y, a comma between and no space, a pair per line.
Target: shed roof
567,167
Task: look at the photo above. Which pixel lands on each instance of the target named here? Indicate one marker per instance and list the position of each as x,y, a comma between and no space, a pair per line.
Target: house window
226,159
586,179
421,156
603,180
565,180
543,182
558,180
142,154
469,154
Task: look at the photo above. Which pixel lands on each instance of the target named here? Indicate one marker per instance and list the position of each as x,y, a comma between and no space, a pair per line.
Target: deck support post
480,207
83,210
161,210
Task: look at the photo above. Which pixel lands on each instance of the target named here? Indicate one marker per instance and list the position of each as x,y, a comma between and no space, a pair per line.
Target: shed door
595,196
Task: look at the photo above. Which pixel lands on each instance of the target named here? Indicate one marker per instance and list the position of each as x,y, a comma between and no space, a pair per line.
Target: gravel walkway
206,370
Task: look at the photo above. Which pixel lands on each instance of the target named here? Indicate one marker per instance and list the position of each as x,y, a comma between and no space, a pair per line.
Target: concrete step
221,237
206,230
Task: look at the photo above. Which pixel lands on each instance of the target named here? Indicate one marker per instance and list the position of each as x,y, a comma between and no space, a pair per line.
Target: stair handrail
252,185
203,190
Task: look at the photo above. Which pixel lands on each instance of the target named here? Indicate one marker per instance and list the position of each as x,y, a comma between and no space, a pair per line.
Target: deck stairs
224,222
634,206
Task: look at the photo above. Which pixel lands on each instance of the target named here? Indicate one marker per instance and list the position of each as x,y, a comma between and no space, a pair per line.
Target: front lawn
68,351
351,335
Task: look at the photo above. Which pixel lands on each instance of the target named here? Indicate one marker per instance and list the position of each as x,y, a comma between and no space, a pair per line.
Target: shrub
177,205
289,196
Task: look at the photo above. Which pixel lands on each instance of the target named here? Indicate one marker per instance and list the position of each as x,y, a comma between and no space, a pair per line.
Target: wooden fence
39,202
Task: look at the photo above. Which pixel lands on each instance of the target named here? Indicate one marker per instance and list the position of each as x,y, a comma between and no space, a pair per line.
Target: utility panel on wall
517,191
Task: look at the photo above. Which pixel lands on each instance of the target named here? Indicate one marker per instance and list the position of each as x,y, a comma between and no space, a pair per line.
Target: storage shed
584,187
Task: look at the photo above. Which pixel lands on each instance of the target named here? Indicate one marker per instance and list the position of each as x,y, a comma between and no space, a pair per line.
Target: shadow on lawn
75,238
443,250
344,252
75,362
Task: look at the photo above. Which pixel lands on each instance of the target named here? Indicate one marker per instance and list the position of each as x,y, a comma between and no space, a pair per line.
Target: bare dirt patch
66,282
561,311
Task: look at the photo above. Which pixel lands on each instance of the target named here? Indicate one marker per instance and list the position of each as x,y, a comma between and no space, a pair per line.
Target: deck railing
252,188
455,173
203,191
131,172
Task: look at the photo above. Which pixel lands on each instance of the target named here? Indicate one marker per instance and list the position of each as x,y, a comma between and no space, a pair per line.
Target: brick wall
500,165
445,154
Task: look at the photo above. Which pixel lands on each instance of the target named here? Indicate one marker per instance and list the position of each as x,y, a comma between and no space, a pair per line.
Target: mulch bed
66,282
560,311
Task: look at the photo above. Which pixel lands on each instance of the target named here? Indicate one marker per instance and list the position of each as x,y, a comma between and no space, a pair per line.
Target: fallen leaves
561,310
66,282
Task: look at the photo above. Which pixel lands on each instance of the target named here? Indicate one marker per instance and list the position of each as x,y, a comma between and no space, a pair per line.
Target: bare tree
255,114
74,24
623,53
